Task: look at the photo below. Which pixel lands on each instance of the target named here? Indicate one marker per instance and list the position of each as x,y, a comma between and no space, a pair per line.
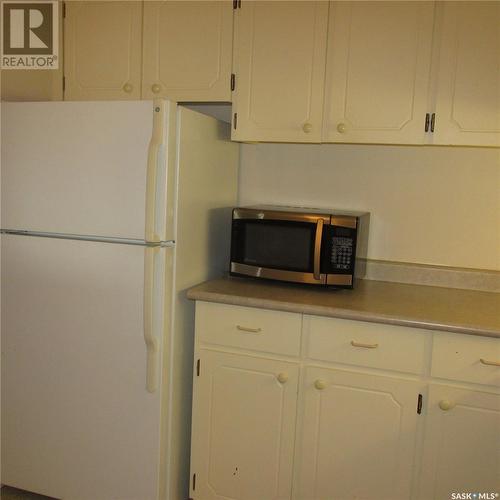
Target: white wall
429,205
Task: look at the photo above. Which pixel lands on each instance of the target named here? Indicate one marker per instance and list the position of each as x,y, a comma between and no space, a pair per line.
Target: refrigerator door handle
155,173
151,340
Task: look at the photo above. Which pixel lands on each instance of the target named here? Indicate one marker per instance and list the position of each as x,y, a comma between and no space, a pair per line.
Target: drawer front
372,345
248,328
466,358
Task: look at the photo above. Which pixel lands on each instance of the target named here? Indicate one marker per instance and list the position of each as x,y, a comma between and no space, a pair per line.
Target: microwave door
279,249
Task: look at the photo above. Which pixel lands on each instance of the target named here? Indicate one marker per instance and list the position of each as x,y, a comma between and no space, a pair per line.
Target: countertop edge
317,310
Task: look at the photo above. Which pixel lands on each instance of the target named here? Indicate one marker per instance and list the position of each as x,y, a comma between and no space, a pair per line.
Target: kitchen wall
429,205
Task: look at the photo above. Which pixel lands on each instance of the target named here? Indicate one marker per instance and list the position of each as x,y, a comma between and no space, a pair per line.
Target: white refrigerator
109,212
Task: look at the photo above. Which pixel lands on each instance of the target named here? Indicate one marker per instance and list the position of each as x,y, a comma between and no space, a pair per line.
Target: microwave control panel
342,252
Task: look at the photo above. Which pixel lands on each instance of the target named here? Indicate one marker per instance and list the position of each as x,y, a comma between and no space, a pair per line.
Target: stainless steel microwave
317,247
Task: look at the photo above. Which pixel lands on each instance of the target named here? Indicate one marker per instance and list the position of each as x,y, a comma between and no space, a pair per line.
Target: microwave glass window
279,245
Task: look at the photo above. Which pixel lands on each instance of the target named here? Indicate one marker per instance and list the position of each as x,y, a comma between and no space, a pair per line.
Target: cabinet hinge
194,482
427,120
235,120
433,121
233,81
198,368
419,403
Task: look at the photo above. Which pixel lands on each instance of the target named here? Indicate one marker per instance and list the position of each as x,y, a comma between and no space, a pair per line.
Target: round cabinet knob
128,87
341,128
307,128
282,377
320,384
446,405
156,88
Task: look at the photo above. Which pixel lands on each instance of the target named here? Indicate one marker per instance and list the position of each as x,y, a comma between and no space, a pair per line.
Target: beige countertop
436,308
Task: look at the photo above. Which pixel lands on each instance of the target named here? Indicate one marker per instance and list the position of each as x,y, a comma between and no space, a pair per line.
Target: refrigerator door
84,167
80,389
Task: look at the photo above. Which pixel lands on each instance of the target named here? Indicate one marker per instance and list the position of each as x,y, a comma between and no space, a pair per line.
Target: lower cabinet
243,427
290,406
357,436
461,444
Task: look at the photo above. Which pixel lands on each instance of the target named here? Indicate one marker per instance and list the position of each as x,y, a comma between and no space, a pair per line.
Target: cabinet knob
307,127
320,384
128,87
156,88
446,405
341,128
282,377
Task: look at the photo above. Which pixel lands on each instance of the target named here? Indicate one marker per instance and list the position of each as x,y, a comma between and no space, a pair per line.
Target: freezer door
82,167
78,420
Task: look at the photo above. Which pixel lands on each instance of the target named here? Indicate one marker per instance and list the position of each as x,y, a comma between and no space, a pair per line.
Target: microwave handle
317,249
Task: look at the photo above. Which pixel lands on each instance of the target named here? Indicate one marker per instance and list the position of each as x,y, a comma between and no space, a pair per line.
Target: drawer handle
282,377
489,363
366,346
248,330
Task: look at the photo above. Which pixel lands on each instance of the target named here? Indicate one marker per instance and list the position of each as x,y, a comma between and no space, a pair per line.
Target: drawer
248,328
466,358
372,345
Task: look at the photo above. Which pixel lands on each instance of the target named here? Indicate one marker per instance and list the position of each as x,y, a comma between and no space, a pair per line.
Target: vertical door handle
433,121
156,161
317,249
150,339
427,121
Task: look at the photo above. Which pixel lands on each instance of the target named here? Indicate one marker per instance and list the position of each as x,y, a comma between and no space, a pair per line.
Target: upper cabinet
385,72
103,50
279,67
187,50
395,72
378,66
468,81
132,50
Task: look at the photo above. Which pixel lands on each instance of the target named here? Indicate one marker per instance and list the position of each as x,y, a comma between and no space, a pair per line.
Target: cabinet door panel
468,94
358,436
243,427
103,50
187,50
461,444
279,64
379,56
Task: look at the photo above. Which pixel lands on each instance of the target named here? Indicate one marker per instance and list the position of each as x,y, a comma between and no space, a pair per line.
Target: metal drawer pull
366,346
249,330
489,363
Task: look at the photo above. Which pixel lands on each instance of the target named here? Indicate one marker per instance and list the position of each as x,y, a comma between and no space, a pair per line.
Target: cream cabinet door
243,427
461,444
357,436
279,62
103,50
379,58
468,92
187,50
